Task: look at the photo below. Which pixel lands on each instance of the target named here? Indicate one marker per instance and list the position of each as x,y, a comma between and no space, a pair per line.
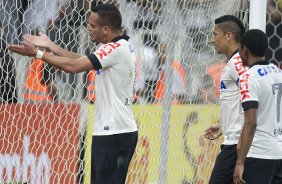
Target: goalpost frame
257,16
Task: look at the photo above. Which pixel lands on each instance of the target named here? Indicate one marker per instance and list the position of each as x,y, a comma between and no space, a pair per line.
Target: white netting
274,31
46,115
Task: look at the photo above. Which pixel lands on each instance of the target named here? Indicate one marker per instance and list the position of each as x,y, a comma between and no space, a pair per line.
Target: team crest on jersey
131,48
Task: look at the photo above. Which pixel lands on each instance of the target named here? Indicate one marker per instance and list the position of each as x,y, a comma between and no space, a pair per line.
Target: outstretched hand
26,49
213,132
42,40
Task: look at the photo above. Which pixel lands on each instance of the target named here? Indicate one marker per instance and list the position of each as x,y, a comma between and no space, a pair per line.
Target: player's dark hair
109,15
256,41
230,23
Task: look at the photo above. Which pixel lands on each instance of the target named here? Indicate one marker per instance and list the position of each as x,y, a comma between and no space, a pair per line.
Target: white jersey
261,88
232,117
115,73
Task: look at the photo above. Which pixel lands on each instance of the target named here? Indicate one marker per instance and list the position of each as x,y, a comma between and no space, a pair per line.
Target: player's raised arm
44,41
67,64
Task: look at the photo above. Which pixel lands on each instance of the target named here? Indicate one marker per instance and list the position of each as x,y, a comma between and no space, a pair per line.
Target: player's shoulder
236,64
263,70
126,46
235,59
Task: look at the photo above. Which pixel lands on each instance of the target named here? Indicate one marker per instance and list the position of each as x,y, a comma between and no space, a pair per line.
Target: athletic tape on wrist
39,54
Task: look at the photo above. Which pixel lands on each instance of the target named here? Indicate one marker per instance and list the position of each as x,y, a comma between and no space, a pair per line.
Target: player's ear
245,50
229,35
106,29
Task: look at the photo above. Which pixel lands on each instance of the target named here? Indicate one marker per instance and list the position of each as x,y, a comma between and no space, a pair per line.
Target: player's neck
113,36
252,60
231,50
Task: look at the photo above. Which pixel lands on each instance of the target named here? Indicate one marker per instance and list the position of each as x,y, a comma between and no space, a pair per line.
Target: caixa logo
24,168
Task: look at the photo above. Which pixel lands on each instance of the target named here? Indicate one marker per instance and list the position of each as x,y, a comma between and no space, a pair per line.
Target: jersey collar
235,52
260,62
125,37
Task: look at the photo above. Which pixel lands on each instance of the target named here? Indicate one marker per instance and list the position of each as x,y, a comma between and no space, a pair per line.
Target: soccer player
115,131
261,137
227,34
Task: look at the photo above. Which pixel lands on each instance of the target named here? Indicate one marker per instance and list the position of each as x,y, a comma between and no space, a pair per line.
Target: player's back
265,86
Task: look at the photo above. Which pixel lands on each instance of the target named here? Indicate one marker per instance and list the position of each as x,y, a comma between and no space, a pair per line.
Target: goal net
46,115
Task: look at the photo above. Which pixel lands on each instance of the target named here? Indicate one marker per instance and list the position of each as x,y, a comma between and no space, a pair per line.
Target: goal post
258,14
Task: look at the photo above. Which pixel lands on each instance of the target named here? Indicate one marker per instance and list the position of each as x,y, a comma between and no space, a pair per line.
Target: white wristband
39,54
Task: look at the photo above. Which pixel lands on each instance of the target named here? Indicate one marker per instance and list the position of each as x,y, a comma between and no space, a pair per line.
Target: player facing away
227,34
115,131
260,155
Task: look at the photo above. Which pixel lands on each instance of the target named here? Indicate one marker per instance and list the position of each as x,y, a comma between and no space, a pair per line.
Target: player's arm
247,136
44,41
249,95
67,64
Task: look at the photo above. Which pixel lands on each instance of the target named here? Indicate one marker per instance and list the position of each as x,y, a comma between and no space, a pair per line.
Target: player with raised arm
227,34
115,131
260,156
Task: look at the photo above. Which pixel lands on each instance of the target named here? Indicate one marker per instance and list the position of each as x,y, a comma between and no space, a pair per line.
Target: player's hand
238,174
42,40
26,49
213,132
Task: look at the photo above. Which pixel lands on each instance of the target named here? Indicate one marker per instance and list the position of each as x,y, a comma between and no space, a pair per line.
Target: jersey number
277,87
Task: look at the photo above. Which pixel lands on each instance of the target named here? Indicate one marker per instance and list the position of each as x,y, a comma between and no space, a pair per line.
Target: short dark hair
256,41
109,15
230,23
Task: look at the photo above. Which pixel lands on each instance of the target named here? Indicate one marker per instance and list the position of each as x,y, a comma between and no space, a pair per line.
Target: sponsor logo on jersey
239,66
107,49
237,82
265,70
222,85
244,87
240,69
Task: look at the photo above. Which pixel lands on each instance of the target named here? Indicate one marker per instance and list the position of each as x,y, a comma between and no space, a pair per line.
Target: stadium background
49,142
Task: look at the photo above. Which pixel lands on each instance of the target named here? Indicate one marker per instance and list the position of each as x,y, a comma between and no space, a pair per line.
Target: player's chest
227,82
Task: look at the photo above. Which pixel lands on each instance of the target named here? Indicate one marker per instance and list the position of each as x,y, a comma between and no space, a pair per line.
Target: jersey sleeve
249,92
108,55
